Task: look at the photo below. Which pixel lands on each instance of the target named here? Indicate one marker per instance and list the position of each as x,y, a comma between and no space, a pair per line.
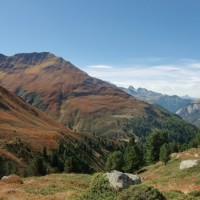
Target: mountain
25,131
84,103
191,113
171,103
21,120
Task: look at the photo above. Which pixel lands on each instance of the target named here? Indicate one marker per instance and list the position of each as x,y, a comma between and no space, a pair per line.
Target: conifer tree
164,153
114,161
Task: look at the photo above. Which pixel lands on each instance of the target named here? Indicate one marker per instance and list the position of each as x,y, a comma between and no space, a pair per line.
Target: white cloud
181,79
100,67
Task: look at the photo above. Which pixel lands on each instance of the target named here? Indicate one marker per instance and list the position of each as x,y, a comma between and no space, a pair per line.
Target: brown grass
51,187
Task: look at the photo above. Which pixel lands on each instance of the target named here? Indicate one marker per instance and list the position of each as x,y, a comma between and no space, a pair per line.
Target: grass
170,177
54,186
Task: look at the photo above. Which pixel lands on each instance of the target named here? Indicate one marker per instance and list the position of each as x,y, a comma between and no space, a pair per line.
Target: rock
188,164
135,178
119,180
12,179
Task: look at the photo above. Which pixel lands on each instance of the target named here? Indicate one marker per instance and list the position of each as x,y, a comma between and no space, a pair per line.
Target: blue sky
152,44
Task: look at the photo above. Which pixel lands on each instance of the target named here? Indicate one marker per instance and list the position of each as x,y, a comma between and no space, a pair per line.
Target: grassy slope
69,186
170,177
50,187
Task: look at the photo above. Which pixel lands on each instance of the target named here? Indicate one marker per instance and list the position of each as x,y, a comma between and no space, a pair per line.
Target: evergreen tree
154,141
44,154
114,161
68,165
164,153
2,168
54,159
37,166
132,159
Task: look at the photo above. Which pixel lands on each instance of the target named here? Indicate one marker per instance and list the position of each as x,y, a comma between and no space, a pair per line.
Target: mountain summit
77,100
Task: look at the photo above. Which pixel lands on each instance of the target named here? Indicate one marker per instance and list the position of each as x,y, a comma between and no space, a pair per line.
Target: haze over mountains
81,102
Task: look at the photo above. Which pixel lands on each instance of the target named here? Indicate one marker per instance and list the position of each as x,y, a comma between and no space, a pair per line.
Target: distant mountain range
185,106
171,103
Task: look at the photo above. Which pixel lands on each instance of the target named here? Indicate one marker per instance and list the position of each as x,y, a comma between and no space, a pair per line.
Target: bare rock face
119,180
12,179
188,164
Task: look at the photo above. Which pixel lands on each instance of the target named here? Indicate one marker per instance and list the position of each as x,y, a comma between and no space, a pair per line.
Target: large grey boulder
119,180
188,164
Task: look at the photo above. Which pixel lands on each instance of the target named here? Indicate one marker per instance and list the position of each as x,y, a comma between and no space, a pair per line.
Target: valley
59,125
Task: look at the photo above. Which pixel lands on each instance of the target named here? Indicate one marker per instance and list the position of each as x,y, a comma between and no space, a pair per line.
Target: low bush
99,189
141,192
174,194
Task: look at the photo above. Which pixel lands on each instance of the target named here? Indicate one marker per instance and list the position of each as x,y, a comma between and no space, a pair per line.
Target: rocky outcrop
119,180
12,179
188,164
191,113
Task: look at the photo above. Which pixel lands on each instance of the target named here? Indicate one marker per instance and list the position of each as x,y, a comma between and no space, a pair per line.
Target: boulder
119,180
188,164
12,179
135,178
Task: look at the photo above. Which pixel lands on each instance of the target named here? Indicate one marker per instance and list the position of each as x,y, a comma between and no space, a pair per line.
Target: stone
119,180
135,178
188,164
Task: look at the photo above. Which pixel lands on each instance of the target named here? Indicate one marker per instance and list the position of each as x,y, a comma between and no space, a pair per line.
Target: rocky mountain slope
81,102
191,113
171,103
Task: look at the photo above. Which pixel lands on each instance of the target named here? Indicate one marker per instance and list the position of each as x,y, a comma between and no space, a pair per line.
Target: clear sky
145,43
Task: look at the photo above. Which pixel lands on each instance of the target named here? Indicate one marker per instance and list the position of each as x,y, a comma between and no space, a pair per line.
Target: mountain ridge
79,101
172,103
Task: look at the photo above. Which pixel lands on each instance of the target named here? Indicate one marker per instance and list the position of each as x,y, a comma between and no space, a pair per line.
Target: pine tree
44,154
37,166
164,153
114,161
68,165
132,159
154,141
54,159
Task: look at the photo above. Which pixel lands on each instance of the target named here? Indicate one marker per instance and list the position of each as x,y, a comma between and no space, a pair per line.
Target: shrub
174,194
141,192
195,194
99,189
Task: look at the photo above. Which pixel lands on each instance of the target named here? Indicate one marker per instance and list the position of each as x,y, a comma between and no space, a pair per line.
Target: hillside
191,113
170,178
175,184
25,131
170,103
81,102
